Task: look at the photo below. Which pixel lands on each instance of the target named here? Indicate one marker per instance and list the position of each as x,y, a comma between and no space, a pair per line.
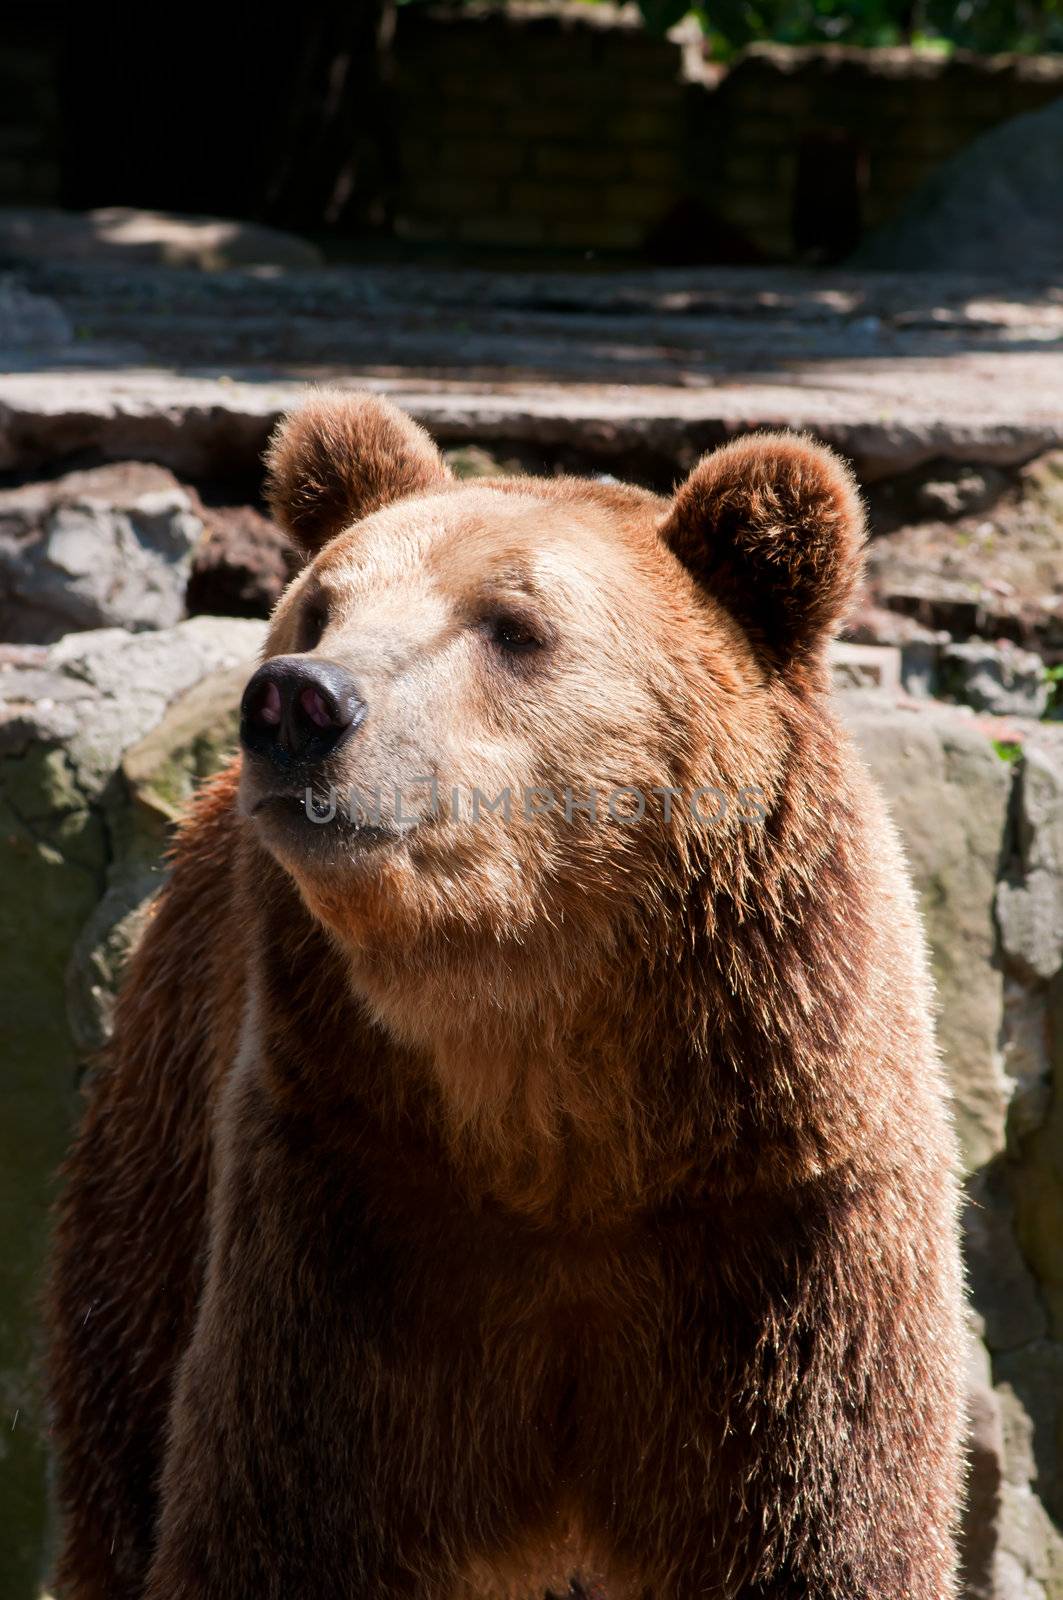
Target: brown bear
522,1162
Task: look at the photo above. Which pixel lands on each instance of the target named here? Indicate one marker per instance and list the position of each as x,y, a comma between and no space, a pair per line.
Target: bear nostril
313,704
269,708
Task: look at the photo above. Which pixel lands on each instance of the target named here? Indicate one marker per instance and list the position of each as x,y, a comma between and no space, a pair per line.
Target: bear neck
713,1046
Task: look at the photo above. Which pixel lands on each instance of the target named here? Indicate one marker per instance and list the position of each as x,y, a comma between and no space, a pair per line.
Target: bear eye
312,624
513,635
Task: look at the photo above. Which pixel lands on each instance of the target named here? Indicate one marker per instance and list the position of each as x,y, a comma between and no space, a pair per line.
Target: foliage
985,25
1054,680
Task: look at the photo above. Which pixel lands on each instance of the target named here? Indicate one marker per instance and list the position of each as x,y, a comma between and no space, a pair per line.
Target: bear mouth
288,818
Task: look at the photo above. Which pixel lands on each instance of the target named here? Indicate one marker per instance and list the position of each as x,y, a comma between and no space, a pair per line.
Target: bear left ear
773,526
343,456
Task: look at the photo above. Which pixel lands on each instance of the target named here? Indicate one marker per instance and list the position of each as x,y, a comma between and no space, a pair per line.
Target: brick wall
29,110
568,127
793,140
545,127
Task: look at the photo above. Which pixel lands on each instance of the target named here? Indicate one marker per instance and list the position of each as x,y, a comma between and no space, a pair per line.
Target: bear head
525,709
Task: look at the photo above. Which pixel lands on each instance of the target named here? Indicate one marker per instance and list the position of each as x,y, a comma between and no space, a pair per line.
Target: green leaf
660,15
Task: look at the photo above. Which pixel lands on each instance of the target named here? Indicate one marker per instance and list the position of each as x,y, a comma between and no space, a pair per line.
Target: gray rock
960,493
1038,1185
919,646
112,545
1028,1563
998,678
920,667
131,679
1003,1288
120,235
632,373
949,793
78,856
1030,911
865,666
985,1432
31,323
101,951
993,574
1034,1375
992,208
1027,1058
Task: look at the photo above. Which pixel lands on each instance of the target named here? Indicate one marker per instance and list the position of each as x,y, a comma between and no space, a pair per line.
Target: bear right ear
773,527
343,456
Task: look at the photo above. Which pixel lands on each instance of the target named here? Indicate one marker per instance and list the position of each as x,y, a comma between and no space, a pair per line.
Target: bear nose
295,710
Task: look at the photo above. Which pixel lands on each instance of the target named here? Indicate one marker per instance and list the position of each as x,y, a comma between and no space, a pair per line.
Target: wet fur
448,1244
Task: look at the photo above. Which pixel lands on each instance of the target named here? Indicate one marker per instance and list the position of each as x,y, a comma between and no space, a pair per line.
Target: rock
1035,1377
995,677
1030,914
119,235
1003,1287
994,574
634,373
939,490
161,770
99,956
159,773
985,1431
111,545
1010,1547
1031,925
1030,1374
242,565
30,322
864,666
78,856
1027,1059
1042,483
963,491
472,461
919,647
949,794
1028,1561
992,208
1030,910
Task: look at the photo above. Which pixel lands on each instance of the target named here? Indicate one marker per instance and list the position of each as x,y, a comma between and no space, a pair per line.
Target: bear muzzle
296,711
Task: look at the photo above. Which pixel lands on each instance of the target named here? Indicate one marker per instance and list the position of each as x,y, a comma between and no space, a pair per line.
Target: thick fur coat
479,1206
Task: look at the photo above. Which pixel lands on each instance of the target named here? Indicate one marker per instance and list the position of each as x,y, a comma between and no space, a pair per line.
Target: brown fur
545,1196
341,457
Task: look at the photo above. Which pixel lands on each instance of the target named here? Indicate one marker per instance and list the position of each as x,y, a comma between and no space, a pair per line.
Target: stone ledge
203,426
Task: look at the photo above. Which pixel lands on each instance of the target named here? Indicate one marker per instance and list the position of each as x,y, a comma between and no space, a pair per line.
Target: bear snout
296,710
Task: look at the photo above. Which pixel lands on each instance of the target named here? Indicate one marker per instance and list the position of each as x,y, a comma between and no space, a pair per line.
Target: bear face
538,677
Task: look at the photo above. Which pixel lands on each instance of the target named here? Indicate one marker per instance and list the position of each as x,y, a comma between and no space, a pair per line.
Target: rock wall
101,737
983,826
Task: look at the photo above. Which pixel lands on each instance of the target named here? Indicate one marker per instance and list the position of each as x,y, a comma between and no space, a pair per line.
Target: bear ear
773,526
341,457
